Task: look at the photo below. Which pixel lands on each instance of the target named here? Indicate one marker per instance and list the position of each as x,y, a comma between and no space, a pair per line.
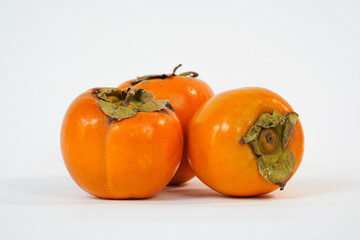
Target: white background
307,51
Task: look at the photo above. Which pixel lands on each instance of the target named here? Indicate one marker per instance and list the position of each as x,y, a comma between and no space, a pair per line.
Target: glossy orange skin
186,95
131,158
217,156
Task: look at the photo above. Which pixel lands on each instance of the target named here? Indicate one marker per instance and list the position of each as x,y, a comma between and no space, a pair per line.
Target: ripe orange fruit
245,142
186,94
121,144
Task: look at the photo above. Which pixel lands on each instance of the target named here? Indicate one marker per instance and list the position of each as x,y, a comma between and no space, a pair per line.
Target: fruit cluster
157,130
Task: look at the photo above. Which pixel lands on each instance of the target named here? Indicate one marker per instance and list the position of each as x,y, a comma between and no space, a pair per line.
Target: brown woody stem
163,76
176,68
189,74
130,94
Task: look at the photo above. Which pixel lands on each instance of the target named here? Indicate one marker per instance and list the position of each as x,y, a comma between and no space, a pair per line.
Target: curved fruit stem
163,76
189,74
176,68
268,138
130,94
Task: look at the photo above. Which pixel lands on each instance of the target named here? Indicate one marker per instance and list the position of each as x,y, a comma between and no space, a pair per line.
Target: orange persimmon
121,144
186,94
245,142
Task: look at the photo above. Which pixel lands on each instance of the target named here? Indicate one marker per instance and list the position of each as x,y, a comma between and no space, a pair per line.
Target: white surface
306,51
44,204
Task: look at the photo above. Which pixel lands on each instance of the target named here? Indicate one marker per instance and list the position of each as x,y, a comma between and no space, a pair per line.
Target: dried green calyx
163,76
119,104
268,138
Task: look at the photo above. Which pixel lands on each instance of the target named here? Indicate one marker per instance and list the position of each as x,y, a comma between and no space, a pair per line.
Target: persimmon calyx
119,104
268,138
163,76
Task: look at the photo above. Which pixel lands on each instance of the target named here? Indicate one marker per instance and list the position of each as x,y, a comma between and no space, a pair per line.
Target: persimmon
186,94
245,142
121,144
